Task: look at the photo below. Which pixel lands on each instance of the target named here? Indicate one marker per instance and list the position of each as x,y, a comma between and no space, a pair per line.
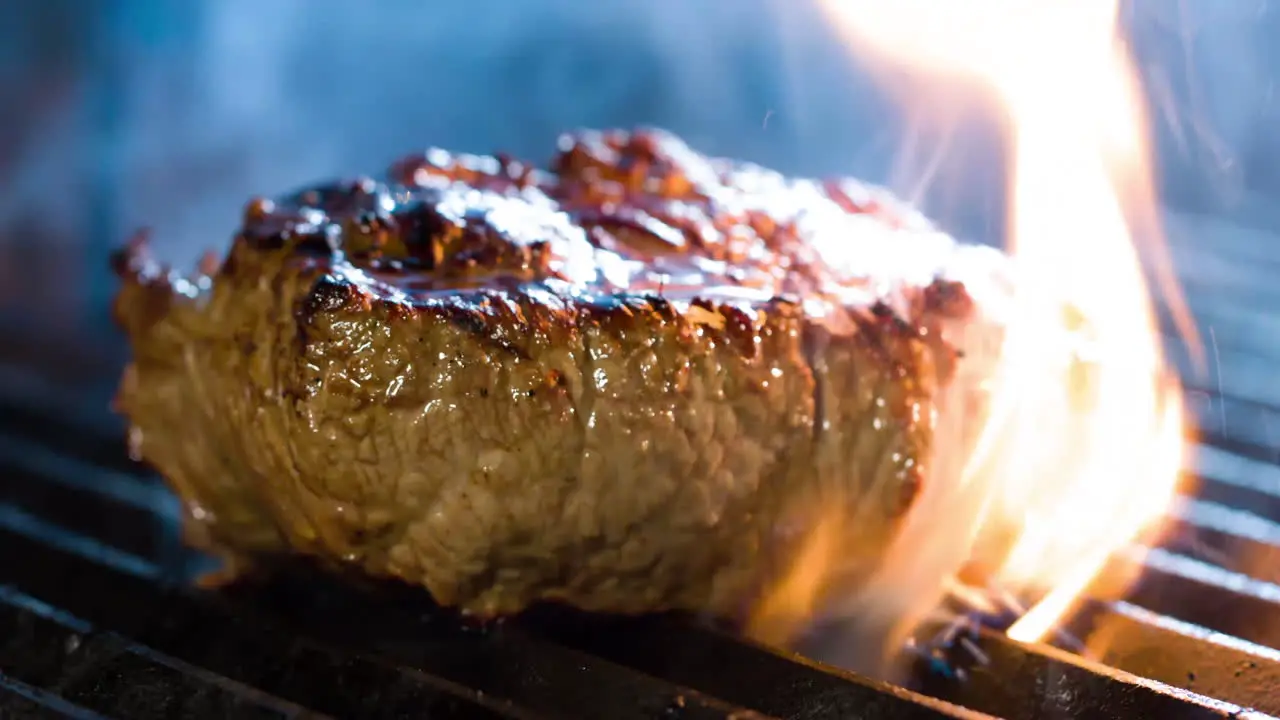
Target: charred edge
397,311
231,263
134,261
414,170
328,294
367,235
737,332
147,293
487,322
884,332
285,235
740,331
342,197
331,294
890,321
622,315
948,298
257,210
422,232
661,307
629,229
514,324
718,335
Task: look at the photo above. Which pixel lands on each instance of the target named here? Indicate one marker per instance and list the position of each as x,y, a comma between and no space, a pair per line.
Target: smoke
1210,73
183,110
115,115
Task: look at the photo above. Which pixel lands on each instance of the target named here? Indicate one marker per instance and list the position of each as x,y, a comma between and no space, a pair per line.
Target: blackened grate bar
1240,481
20,701
1203,594
672,648
1178,653
253,651
102,515
101,563
1021,681
106,673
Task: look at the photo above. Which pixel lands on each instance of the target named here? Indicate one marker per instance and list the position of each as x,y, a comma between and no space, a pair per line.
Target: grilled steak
629,383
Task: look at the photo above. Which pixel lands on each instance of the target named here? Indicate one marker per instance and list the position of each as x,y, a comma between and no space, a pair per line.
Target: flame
1081,451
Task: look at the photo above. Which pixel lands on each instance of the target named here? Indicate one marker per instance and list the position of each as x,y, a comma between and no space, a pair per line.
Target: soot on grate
97,617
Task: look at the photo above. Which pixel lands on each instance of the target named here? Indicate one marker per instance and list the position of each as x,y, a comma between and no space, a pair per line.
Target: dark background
117,114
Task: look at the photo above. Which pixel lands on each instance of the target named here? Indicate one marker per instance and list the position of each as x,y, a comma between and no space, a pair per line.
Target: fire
1081,453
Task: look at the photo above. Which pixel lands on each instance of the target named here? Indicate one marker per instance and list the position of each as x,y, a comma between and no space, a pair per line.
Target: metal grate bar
242,650
1235,496
63,424
773,682
1237,370
108,674
125,526
276,645
1180,654
1238,326
1233,539
1240,425
1252,470
15,520
34,458
1014,684
400,624
1208,596
1040,681
852,693
533,677
20,701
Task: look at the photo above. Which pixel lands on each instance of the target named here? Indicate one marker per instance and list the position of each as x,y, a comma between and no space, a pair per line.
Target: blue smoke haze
115,114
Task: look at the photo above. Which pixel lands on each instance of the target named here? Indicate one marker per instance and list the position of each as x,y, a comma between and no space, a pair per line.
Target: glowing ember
1082,449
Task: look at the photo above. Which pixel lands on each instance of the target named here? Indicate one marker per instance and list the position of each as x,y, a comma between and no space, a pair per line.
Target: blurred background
168,113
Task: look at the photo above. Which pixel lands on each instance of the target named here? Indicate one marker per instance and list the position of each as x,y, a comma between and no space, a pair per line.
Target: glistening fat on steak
630,383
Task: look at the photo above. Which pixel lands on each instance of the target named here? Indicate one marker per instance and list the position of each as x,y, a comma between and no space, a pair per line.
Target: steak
631,382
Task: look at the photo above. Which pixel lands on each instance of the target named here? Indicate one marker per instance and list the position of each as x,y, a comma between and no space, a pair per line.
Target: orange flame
1081,452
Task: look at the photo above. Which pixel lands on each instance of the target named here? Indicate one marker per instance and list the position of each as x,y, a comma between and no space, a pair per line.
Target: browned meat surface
629,383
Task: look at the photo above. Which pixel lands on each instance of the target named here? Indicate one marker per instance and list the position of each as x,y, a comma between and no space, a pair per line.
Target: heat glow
1081,453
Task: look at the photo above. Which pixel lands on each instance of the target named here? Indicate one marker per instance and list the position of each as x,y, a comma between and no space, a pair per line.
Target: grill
98,617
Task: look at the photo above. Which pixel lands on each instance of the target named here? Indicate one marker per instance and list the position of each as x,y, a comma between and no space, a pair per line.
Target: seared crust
629,384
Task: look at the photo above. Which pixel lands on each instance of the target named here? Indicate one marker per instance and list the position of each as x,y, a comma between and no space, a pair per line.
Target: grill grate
97,618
